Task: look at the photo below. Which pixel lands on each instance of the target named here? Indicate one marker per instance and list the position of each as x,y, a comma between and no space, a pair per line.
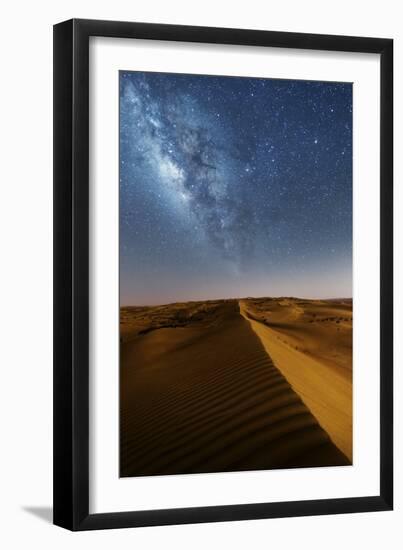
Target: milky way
233,186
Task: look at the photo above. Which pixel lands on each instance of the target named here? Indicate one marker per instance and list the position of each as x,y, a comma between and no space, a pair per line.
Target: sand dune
200,393
310,341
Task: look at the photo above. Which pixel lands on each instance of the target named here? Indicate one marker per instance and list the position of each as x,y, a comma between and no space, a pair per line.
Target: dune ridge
310,342
199,393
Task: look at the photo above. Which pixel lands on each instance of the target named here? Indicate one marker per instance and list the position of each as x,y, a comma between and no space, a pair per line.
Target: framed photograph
223,260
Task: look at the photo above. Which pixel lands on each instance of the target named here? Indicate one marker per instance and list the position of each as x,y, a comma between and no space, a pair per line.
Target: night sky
234,187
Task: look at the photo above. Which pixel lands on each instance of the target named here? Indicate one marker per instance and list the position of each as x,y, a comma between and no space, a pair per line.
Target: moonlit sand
234,385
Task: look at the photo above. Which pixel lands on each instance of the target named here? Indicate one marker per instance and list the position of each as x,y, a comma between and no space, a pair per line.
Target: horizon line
238,298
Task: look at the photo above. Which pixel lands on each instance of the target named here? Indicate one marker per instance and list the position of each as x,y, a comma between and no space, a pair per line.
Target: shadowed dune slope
205,396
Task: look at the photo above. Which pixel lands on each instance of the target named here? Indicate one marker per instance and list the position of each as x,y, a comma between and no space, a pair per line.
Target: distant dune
204,389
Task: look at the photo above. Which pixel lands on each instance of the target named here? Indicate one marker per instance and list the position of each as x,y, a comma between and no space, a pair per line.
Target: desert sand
203,388
310,342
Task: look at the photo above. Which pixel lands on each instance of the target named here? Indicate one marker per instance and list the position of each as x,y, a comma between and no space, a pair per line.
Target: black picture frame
71,274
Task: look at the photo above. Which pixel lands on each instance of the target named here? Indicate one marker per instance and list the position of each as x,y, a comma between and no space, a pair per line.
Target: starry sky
234,187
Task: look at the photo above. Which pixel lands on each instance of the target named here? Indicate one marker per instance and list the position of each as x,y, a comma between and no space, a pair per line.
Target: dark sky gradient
233,187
